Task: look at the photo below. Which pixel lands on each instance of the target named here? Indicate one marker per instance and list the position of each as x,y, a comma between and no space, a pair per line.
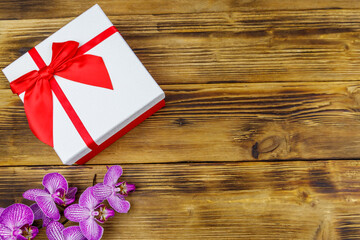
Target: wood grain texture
256,90
266,46
236,122
282,200
43,9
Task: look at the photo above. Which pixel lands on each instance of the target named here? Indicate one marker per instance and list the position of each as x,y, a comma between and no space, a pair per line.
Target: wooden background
261,132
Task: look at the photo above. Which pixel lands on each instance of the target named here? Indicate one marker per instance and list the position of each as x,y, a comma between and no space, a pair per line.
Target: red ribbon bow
66,62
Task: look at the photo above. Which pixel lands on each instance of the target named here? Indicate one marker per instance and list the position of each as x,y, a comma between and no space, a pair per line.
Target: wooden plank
274,46
13,9
216,122
279,200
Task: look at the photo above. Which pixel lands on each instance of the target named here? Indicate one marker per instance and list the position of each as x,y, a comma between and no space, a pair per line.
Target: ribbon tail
38,104
87,69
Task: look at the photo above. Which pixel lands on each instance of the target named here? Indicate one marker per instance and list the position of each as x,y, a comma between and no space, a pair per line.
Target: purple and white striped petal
91,230
88,200
54,231
47,221
77,213
48,207
118,203
112,175
70,196
31,194
5,232
38,214
54,181
101,191
73,233
17,215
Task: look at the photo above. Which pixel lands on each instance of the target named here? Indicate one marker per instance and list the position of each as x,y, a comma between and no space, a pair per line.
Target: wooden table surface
260,136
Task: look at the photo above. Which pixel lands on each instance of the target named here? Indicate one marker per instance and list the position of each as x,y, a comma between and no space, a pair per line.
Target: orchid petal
31,194
38,214
47,221
101,191
108,213
88,200
70,196
5,232
73,233
91,230
118,203
112,175
59,201
54,231
54,181
77,213
48,207
130,187
20,237
17,215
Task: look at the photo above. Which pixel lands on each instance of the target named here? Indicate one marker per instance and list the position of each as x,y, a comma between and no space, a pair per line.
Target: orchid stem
94,180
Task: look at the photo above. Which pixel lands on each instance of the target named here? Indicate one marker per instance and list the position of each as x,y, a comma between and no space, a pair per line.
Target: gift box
83,87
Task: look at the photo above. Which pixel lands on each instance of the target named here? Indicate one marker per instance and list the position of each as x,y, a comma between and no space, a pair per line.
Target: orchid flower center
27,232
95,213
59,197
104,213
122,188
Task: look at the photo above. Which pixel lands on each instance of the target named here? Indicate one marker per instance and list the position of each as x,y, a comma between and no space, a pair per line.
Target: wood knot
354,92
267,145
181,122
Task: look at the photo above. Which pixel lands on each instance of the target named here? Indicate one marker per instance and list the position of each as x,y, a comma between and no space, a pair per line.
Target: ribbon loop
38,103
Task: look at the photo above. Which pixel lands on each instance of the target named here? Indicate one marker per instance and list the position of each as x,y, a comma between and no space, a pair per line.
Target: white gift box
106,114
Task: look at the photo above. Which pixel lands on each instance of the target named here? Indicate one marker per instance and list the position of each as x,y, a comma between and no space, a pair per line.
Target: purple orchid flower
38,214
15,223
112,191
56,192
56,231
87,213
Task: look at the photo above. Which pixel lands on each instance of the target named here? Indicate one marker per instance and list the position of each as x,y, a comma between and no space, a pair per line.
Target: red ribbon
70,62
